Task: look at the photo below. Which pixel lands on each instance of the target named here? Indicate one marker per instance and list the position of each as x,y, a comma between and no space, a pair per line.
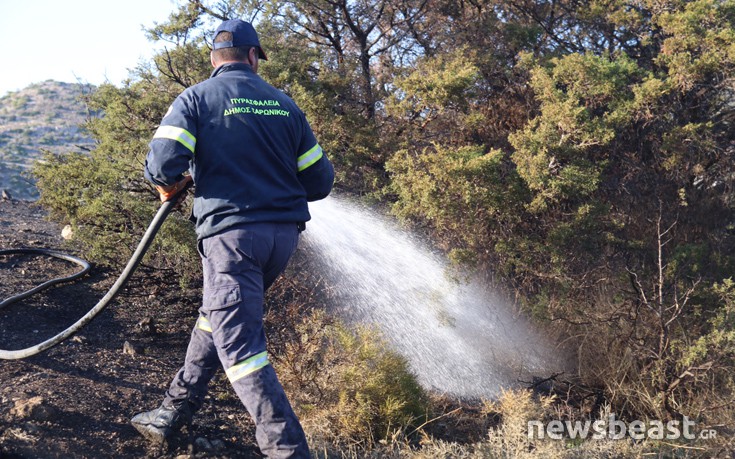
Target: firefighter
256,163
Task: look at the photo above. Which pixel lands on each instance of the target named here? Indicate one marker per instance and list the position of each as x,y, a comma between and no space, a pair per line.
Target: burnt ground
75,399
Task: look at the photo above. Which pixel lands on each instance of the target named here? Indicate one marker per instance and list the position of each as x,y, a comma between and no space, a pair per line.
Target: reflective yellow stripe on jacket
310,157
182,136
247,366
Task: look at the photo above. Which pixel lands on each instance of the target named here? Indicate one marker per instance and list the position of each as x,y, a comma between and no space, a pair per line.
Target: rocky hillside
45,116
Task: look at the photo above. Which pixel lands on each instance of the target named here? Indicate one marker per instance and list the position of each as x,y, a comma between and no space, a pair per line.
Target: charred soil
75,400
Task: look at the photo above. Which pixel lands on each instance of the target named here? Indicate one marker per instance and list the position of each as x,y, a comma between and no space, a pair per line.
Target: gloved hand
168,192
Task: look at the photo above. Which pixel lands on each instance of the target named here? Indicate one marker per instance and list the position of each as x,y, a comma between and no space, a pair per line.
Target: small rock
79,339
67,233
6,195
34,408
146,326
132,349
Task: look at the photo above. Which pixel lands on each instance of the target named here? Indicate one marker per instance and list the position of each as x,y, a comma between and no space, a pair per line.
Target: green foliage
561,153
103,194
435,86
351,141
351,388
700,41
684,147
55,194
377,393
468,194
717,344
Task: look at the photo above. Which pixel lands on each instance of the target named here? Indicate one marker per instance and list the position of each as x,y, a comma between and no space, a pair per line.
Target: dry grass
510,439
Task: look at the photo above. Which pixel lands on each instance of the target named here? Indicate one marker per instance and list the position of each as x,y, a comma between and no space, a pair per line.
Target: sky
52,39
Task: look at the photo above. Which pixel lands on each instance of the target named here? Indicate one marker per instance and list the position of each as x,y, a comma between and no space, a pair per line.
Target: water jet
459,338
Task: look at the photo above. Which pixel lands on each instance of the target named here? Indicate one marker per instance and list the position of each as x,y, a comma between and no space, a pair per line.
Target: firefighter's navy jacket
250,150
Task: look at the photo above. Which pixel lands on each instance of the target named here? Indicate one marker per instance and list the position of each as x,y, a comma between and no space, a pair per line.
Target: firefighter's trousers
239,265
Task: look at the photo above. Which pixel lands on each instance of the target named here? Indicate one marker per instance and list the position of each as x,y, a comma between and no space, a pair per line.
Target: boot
158,425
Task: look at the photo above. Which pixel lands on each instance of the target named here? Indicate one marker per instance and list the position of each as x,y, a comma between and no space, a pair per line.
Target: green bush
348,386
103,194
469,195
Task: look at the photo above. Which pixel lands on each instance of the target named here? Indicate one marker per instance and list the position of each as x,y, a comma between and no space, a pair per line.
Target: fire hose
132,264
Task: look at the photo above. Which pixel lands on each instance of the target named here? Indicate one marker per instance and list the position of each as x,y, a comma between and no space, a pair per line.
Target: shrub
351,389
103,193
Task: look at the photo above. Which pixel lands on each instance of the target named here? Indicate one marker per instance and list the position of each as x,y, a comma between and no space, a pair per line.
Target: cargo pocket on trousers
222,297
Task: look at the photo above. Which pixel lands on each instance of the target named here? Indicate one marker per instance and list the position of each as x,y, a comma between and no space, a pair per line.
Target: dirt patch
76,399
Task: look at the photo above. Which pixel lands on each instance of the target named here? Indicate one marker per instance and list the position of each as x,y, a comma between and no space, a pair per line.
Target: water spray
458,335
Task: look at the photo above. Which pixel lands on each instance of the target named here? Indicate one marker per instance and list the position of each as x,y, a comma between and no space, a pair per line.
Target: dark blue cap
243,34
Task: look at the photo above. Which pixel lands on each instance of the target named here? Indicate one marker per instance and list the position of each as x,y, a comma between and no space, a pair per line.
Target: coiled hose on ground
142,248
51,253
